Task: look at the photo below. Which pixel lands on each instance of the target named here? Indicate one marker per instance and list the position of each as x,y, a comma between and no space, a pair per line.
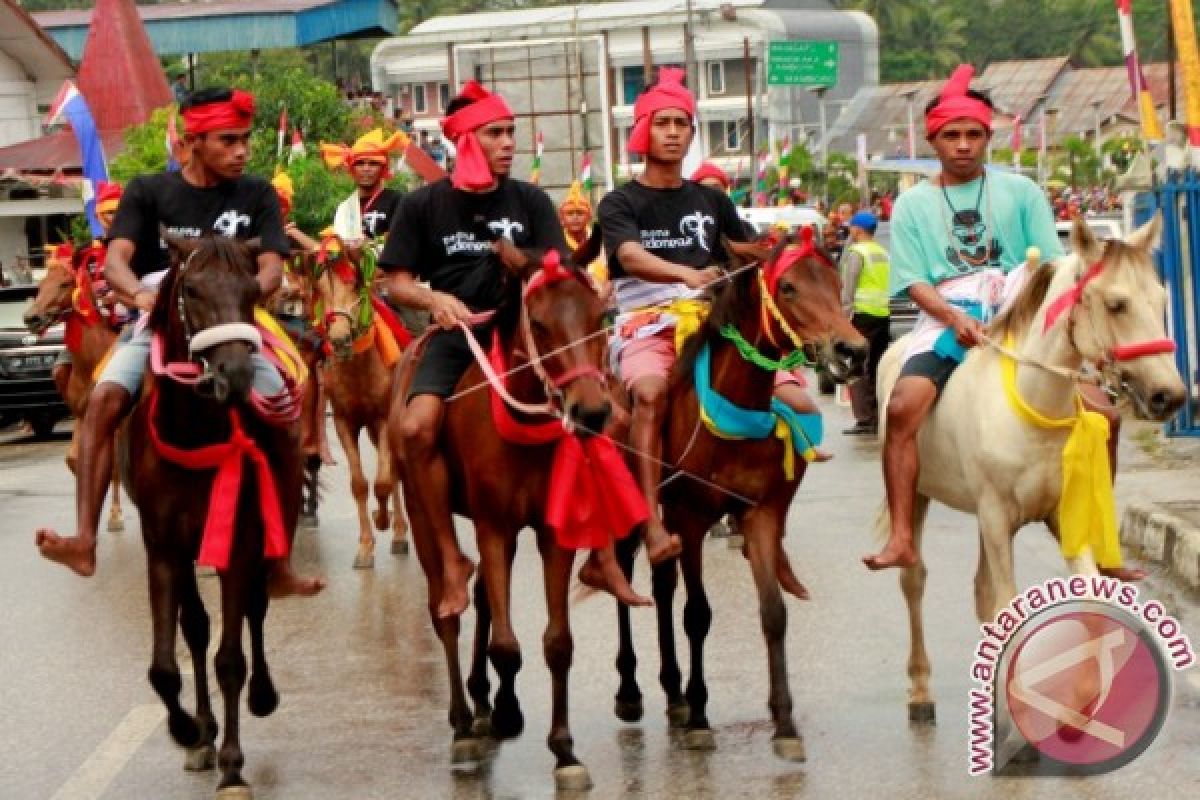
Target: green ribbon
749,352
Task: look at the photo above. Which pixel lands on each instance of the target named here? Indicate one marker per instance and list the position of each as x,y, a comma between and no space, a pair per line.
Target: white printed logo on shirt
228,223
506,227
372,219
694,225
692,231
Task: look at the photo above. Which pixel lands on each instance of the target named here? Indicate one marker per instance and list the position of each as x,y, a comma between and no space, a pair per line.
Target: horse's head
205,310
562,322
800,280
54,298
294,295
338,290
1117,318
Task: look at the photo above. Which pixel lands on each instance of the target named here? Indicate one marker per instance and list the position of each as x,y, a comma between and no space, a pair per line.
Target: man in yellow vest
865,296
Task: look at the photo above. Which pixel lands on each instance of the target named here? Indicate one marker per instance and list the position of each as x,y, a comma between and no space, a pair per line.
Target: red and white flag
281,135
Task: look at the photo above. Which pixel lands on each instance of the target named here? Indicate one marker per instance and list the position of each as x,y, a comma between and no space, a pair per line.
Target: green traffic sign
802,63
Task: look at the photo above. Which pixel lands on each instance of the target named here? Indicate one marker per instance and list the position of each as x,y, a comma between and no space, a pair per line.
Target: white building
573,72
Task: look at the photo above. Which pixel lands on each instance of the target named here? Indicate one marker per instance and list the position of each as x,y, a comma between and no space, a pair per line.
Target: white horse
976,454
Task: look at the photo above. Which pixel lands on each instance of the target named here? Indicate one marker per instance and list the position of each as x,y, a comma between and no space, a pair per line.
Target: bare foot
660,545
821,456
77,553
893,555
1127,574
454,587
282,582
605,575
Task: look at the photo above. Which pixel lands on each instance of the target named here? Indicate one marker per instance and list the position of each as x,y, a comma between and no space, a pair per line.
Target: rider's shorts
648,357
131,356
931,366
444,360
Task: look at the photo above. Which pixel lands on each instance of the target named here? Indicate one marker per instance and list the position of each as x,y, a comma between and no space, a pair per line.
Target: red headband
954,103
669,92
471,169
235,113
791,255
711,170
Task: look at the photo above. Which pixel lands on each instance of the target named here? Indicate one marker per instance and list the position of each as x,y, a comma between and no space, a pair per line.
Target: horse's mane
729,304
216,253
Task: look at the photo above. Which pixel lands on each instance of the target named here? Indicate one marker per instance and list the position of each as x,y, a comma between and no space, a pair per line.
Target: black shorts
931,366
444,361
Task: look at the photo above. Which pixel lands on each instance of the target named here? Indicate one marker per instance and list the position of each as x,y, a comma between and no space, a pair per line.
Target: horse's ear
179,246
743,252
1083,241
589,251
1147,237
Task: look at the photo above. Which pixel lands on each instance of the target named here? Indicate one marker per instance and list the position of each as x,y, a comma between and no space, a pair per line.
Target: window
633,80
443,96
733,136
716,77
420,106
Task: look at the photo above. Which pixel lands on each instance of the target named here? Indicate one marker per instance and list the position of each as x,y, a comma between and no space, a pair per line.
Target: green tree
929,46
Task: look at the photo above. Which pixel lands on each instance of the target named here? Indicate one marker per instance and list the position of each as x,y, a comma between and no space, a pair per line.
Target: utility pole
689,52
1171,59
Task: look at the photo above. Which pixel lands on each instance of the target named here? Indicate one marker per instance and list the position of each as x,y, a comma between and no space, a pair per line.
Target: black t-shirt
444,236
683,226
243,208
377,217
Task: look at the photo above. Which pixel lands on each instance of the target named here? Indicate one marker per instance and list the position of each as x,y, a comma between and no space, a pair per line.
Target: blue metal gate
1179,265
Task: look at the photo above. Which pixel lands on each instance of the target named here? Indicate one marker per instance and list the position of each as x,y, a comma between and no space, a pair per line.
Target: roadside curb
1163,538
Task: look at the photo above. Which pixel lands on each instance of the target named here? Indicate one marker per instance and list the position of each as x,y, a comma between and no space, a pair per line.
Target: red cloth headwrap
807,248
235,113
471,169
954,103
669,92
711,170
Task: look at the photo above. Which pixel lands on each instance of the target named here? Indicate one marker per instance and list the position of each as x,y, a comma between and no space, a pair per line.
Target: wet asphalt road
364,693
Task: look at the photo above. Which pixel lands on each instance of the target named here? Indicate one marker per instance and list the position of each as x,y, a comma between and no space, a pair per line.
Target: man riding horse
368,213
958,242
209,195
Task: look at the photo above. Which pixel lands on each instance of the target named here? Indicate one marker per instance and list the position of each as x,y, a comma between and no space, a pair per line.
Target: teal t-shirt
933,241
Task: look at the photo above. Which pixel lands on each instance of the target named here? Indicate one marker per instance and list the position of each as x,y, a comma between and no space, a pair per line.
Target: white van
763,219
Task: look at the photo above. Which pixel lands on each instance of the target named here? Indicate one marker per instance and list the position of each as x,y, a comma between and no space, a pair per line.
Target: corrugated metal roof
57,150
1015,86
566,15
117,45
28,44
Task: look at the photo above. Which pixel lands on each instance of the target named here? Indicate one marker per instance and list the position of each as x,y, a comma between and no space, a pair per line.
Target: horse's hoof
466,751
309,521
508,725
677,715
789,748
364,561
574,778
699,739
399,547
200,759
922,713
235,793
116,525
719,530
628,710
481,727
735,541
207,572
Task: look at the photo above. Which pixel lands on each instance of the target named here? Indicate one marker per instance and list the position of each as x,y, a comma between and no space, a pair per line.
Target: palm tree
890,15
929,46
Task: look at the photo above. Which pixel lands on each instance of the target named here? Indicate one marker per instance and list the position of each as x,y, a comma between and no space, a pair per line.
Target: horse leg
559,649
496,552
387,486
116,517
261,697
193,620
230,666
383,492
664,580
365,557
912,584
310,491
163,575
761,527
477,681
628,700
996,529
697,620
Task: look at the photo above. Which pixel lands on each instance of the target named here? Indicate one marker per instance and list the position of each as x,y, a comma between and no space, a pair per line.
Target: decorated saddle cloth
982,295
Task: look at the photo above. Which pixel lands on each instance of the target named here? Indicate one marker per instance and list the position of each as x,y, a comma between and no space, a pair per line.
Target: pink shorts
652,356
796,376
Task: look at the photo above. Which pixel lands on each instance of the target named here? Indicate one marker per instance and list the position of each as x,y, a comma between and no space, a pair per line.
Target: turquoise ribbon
947,345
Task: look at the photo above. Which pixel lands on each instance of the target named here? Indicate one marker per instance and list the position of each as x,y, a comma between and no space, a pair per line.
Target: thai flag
70,104
172,141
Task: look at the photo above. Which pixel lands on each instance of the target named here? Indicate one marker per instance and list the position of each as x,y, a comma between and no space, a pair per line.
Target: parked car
763,219
1104,227
27,391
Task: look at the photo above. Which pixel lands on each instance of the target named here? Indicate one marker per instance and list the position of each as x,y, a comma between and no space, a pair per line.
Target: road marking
106,762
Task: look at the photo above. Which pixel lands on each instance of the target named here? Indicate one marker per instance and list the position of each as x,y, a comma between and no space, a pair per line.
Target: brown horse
66,295
503,488
358,381
210,285
807,298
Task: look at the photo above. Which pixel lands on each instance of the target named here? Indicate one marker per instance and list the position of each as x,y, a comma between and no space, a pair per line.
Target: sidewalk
1158,500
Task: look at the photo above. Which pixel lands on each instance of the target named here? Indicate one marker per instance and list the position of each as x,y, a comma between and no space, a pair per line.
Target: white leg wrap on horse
226,332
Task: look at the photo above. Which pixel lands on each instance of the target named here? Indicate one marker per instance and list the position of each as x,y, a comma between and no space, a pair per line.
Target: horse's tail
589,251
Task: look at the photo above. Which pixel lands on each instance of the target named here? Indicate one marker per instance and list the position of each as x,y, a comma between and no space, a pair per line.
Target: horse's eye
1119,306
189,291
68,284
538,327
787,290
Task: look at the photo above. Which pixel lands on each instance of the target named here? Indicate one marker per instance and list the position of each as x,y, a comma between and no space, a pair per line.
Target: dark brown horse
807,295
503,488
211,283
66,294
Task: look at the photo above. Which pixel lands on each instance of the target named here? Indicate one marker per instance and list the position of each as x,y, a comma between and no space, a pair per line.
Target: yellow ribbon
1087,515
783,432
768,303
289,356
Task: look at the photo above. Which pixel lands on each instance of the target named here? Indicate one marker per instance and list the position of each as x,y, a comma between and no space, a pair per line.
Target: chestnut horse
503,488
358,380
66,294
744,477
210,291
